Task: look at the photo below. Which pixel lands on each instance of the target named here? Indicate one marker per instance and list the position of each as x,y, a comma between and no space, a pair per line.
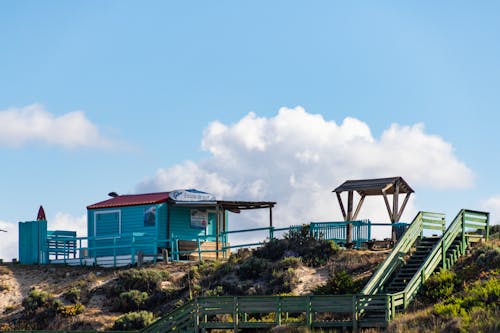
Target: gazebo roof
375,186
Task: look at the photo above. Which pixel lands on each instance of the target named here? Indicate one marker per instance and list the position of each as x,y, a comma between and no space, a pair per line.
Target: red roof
132,200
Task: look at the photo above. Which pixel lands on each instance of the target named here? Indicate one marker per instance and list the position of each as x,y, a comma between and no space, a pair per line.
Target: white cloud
33,124
9,247
492,205
64,221
8,241
297,159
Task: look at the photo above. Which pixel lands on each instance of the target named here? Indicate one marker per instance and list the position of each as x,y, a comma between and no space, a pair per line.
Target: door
211,229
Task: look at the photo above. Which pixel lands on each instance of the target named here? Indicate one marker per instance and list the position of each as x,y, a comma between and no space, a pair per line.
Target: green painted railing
465,225
253,312
423,220
179,320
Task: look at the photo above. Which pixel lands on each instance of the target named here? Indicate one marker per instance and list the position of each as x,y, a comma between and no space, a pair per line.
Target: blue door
211,230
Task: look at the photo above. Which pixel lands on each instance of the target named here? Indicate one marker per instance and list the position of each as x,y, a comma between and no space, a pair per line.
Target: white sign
191,196
199,218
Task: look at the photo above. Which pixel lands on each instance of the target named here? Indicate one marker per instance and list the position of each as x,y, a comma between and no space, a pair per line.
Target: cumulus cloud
8,240
492,205
33,124
297,158
65,221
9,247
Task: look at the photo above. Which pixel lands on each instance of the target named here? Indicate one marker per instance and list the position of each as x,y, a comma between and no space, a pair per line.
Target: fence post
487,226
369,230
278,310
309,313
354,313
443,254
199,248
235,314
132,250
462,247
114,252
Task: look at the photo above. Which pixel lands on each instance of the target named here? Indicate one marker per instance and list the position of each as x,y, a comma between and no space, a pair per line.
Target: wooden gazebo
369,187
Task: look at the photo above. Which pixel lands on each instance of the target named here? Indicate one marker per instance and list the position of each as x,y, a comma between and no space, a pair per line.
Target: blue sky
128,97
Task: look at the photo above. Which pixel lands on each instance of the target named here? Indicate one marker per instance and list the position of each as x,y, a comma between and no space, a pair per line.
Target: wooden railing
253,312
464,221
423,220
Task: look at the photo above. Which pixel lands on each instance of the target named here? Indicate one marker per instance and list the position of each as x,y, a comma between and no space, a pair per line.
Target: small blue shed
156,218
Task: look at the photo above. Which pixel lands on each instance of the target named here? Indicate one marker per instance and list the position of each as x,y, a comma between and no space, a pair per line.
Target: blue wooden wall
124,221
32,242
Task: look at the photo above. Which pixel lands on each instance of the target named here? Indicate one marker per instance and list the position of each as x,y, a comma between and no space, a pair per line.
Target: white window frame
102,212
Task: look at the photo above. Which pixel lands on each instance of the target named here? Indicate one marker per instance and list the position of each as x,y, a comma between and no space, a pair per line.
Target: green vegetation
465,299
71,310
142,279
439,286
134,321
73,295
37,299
132,300
299,243
340,283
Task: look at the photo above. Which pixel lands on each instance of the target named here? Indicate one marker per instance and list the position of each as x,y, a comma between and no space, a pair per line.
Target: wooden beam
388,186
350,198
339,198
395,203
405,201
270,216
360,203
387,203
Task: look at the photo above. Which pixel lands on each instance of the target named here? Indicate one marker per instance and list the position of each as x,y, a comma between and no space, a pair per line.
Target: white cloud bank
33,124
9,240
297,159
492,205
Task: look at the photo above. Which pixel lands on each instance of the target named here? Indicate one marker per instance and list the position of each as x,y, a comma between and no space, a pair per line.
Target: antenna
113,194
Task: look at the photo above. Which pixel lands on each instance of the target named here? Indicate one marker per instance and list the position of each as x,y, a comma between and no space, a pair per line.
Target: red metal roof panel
132,200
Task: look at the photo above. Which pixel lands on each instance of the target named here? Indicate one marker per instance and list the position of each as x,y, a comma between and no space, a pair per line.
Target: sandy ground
310,278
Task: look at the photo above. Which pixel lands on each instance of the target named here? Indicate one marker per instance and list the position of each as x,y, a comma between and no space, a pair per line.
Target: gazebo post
350,197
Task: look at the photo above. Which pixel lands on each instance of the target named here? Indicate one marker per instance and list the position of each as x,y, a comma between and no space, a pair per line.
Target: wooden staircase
407,272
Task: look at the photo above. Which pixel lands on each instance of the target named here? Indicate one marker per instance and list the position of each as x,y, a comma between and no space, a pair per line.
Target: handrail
438,253
401,248
175,319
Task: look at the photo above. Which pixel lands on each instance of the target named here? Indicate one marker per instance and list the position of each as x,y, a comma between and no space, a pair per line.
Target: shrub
134,321
283,281
73,295
474,308
132,300
299,242
71,310
439,286
146,280
340,283
488,257
37,299
253,267
289,262
217,291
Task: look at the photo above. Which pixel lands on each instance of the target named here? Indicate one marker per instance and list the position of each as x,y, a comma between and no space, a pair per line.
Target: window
150,216
107,223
